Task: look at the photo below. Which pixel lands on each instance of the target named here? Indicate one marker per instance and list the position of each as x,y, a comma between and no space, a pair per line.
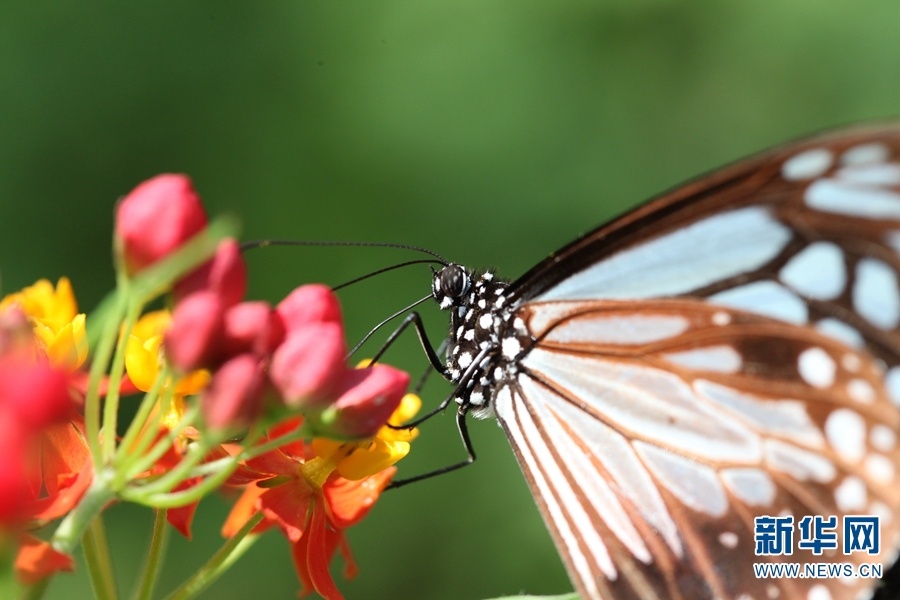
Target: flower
368,398
142,356
225,274
235,396
54,318
46,466
311,303
356,460
155,219
194,338
305,491
34,396
309,366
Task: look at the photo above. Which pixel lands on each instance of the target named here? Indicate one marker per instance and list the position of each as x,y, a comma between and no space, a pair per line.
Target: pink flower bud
252,327
194,337
312,303
156,218
234,397
225,274
308,366
370,397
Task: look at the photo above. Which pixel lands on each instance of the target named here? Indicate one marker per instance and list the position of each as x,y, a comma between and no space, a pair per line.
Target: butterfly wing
727,351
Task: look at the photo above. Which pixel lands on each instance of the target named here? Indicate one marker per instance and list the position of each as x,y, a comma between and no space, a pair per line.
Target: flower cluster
318,438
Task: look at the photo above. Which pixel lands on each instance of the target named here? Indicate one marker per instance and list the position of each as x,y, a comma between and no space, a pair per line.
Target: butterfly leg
415,320
463,428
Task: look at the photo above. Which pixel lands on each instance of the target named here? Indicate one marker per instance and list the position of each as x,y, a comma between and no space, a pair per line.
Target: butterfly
729,350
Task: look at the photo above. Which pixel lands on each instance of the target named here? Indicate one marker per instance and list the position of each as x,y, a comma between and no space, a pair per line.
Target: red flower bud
313,303
34,394
234,397
308,366
370,397
252,327
156,218
194,337
225,274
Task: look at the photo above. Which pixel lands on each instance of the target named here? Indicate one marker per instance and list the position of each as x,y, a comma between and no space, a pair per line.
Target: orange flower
304,496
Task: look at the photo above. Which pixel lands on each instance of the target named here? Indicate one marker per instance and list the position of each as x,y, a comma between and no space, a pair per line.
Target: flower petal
37,559
351,501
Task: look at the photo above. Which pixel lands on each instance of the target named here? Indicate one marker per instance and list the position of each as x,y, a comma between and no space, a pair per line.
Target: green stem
98,369
77,522
99,561
135,446
180,472
155,556
34,591
181,498
111,407
162,446
231,550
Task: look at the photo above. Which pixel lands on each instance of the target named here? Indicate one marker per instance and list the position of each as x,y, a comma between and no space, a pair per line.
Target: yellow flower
53,314
360,459
143,355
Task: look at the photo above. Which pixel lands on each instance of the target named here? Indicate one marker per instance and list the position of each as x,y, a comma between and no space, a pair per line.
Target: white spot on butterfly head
485,321
465,359
807,165
846,432
816,367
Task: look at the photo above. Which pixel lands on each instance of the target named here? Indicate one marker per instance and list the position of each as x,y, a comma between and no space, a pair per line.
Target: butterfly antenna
385,270
384,322
251,245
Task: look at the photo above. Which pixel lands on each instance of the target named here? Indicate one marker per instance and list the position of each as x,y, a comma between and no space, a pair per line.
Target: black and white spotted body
483,329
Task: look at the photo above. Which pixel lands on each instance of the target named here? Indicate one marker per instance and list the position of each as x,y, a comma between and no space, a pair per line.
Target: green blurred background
491,132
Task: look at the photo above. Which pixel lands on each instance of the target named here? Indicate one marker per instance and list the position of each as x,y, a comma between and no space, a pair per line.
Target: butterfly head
450,285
